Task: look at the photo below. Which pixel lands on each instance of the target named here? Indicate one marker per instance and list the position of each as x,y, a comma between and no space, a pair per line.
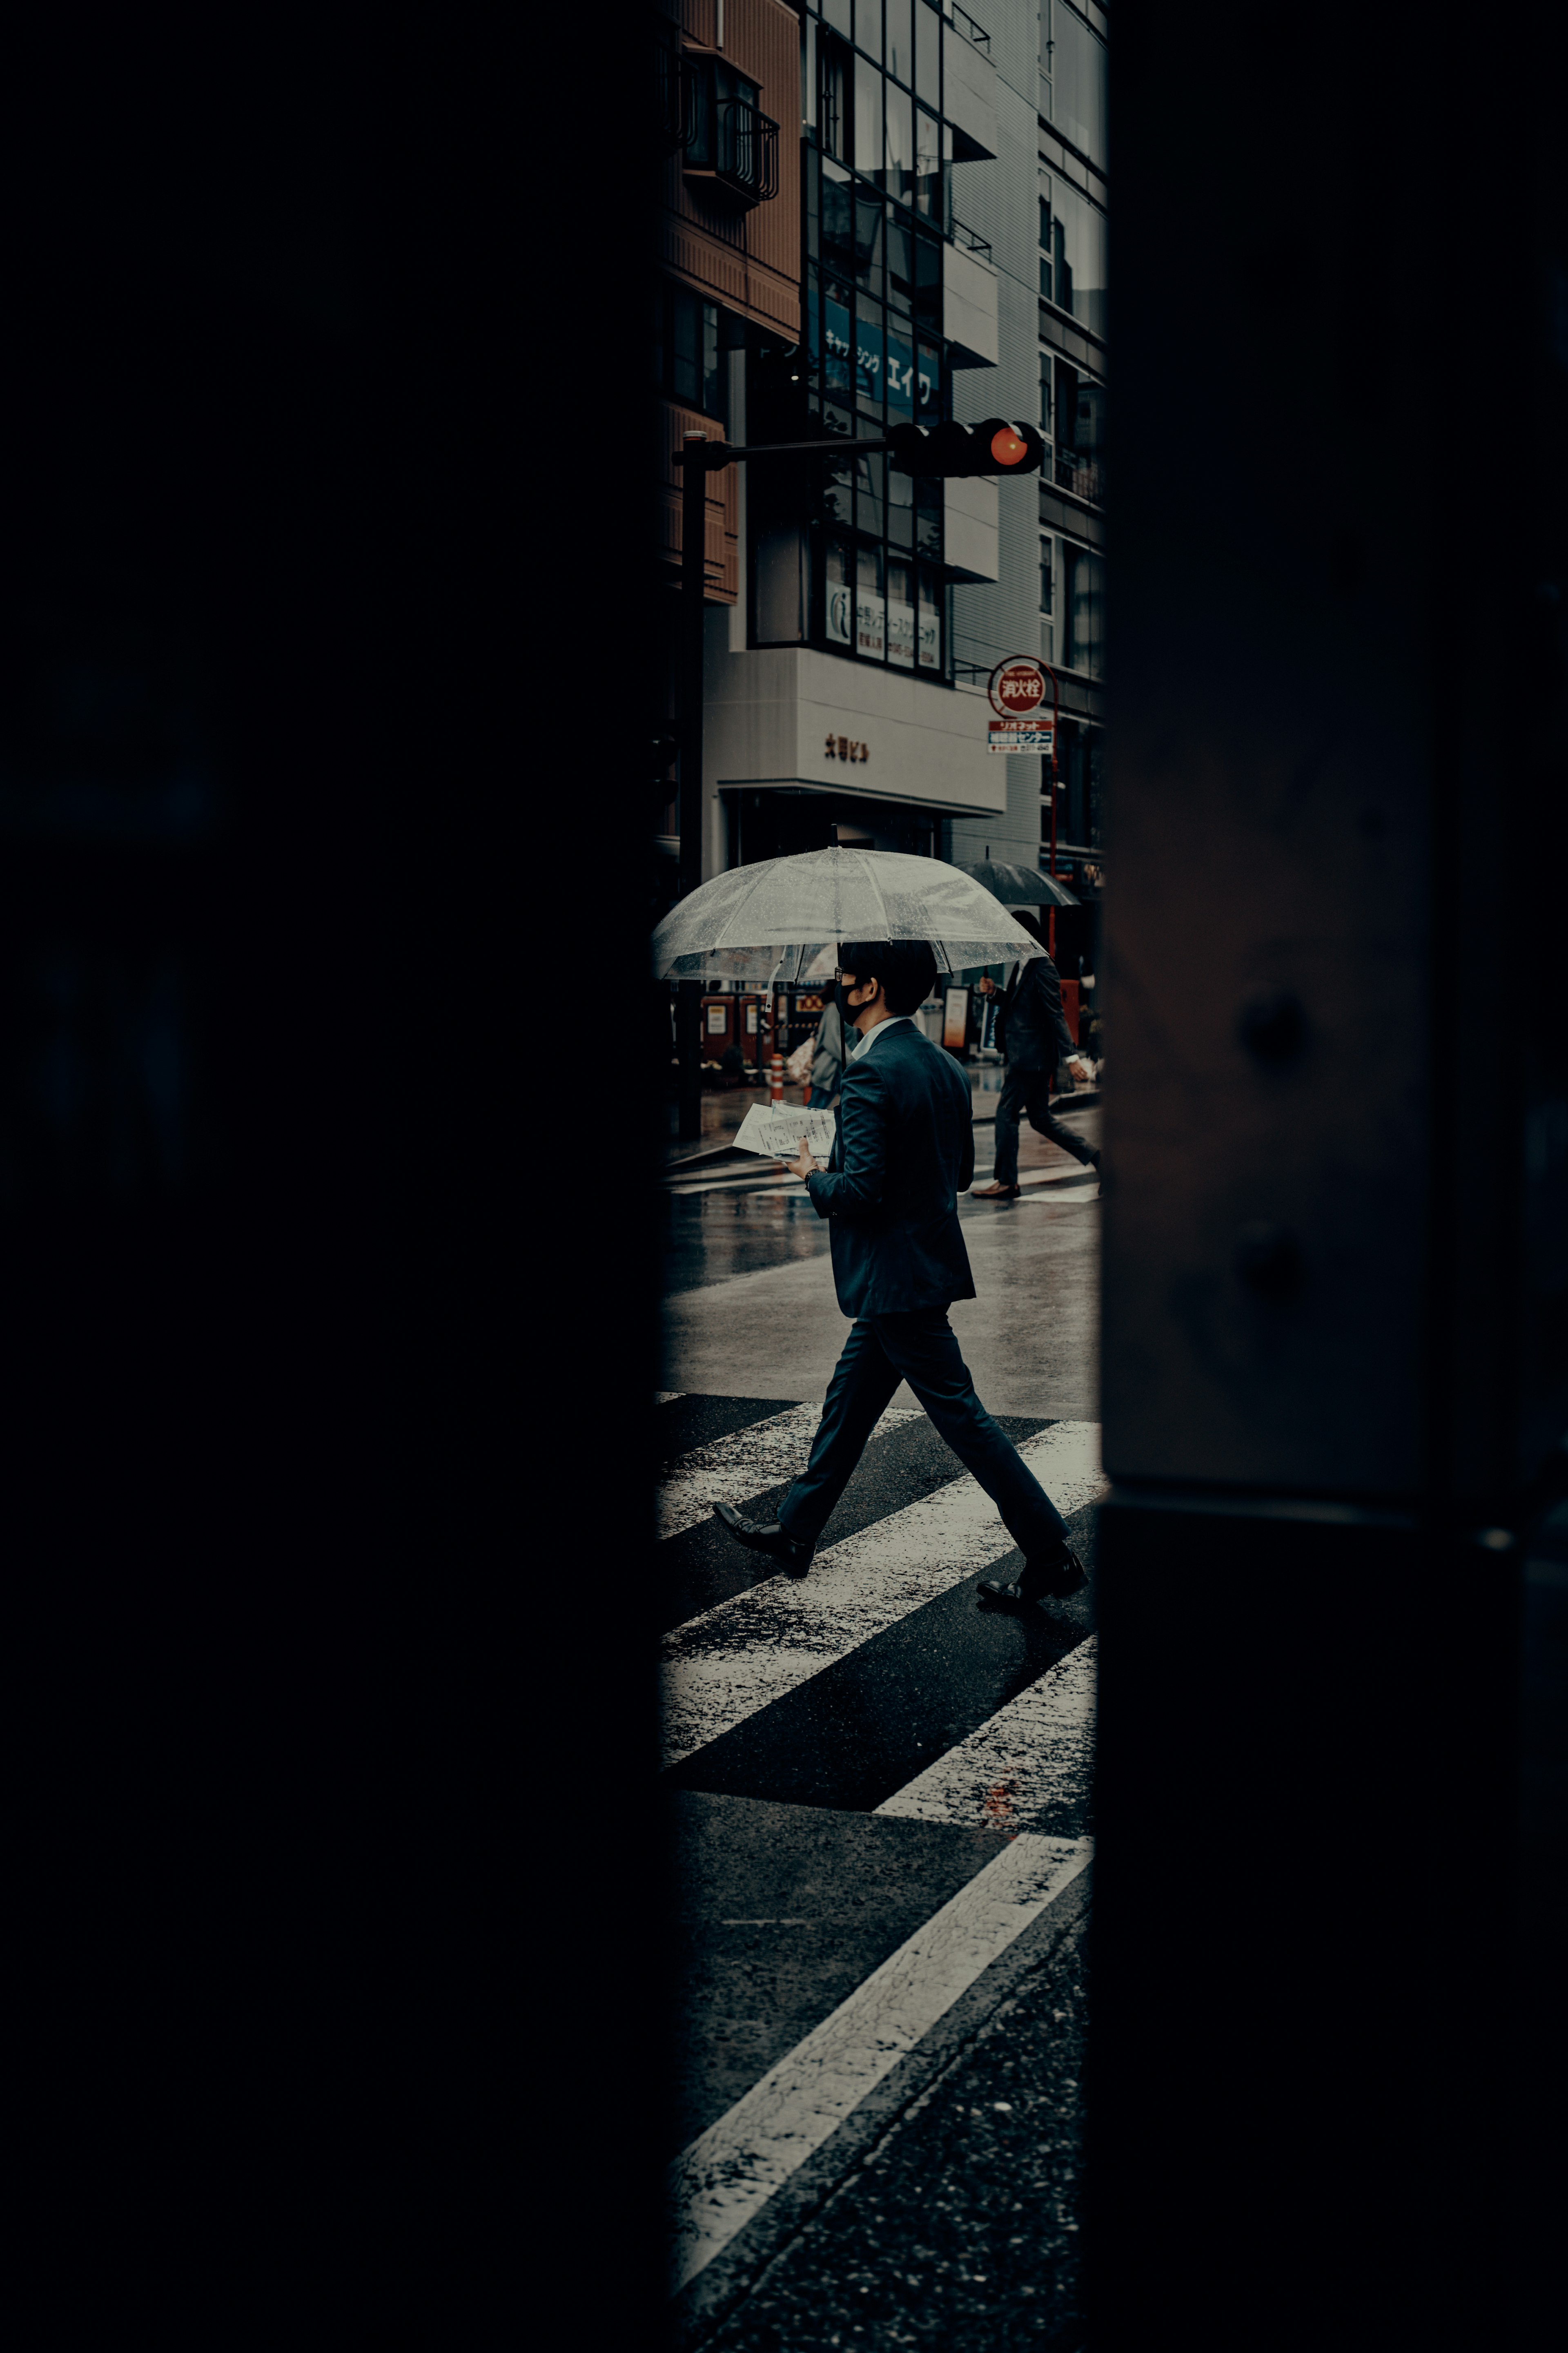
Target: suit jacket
1032,1027
903,1150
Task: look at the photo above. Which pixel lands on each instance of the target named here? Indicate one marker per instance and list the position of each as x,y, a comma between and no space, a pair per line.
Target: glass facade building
876,174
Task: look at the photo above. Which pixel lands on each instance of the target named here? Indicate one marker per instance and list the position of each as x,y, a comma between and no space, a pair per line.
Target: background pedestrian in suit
1034,1038
903,1150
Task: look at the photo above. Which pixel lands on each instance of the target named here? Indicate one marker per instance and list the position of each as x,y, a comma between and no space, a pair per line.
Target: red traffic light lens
1008,446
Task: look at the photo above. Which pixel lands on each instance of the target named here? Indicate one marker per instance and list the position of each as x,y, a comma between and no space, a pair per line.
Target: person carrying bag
820,1060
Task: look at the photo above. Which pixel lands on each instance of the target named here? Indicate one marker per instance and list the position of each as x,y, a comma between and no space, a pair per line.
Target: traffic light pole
1056,731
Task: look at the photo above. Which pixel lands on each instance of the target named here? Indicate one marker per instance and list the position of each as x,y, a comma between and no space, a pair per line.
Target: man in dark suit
903,1150
1034,1037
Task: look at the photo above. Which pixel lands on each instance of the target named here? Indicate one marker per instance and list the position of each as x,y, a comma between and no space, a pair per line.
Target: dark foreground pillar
1298,2097
1336,1278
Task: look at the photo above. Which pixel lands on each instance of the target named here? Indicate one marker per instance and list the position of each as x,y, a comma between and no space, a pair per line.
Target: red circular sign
1018,689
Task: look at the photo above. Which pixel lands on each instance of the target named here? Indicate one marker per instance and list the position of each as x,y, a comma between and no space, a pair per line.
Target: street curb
707,2301
706,1158
1085,1099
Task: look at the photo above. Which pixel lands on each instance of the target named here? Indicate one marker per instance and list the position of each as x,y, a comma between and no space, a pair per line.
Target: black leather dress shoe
767,1536
1036,1582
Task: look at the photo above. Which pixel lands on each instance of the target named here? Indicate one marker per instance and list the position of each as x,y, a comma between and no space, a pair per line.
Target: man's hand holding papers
780,1132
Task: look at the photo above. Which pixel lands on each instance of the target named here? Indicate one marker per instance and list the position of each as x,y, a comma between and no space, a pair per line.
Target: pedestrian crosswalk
873,1690
769,1451
749,1651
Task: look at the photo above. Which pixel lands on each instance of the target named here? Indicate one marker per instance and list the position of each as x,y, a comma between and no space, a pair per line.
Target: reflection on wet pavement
709,1237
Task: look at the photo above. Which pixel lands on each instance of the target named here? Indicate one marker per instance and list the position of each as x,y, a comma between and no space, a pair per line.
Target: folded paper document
775,1131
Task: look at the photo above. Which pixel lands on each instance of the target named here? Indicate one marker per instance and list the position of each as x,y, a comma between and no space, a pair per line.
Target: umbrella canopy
782,918
1021,886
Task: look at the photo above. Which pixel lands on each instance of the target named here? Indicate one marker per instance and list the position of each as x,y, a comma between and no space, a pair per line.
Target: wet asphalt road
951,2218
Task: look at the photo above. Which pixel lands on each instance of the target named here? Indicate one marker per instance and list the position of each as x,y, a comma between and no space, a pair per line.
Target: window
838,216
1077,66
900,51
928,166
1048,598
870,212
840,614
900,179
901,613
928,54
1047,250
869,603
875,197
931,615
867,119
1079,461
1079,776
1084,610
712,131
687,350
871,495
900,509
1072,253
834,108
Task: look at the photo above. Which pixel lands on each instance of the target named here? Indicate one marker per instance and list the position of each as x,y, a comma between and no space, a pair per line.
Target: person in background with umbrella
903,1150
1034,1037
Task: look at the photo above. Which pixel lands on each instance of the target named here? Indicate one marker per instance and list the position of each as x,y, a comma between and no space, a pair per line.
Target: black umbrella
1021,886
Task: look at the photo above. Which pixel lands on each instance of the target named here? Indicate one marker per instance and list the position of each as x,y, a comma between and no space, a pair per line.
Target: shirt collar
870,1038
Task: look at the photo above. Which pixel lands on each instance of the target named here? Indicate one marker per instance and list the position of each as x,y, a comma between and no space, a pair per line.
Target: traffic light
996,447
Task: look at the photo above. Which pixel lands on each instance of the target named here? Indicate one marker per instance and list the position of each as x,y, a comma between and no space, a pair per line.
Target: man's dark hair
906,968
1029,920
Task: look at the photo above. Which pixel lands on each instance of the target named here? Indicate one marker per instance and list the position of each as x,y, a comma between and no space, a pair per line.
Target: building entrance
781,823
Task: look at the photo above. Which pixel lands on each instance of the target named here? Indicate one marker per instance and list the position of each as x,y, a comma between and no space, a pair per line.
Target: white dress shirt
869,1039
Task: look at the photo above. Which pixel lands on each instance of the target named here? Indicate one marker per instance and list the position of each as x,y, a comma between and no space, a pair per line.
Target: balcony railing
1084,477
741,155
974,34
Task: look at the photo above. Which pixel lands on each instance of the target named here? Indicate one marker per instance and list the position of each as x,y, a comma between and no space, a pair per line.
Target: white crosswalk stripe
732,1660
745,1463
728,2173
1036,1751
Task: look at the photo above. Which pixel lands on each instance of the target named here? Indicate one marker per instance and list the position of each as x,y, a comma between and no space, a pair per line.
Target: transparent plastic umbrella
1021,886
785,918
